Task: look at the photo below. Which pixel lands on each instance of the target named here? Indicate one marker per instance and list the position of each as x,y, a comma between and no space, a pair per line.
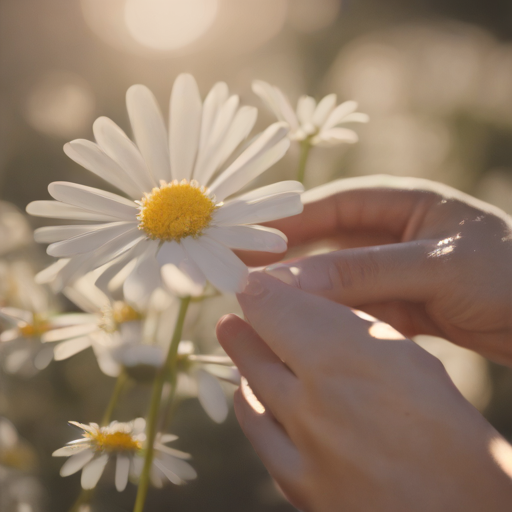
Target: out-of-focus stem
118,389
305,146
83,499
152,422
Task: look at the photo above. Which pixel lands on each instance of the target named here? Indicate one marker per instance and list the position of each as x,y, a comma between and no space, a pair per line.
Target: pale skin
357,423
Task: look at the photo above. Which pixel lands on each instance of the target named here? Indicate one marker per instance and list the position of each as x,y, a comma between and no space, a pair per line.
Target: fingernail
283,273
254,285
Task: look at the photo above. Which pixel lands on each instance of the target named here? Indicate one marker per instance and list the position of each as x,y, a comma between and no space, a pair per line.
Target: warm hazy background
435,76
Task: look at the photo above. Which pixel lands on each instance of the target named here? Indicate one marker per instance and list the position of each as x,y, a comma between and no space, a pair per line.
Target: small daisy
107,324
123,442
23,352
179,186
317,124
198,375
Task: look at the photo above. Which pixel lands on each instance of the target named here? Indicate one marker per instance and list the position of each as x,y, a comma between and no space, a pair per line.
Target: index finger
350,213
300,328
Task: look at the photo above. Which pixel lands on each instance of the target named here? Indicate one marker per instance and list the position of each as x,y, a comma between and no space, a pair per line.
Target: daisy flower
319,124
28,313
124,443
177,206
107,324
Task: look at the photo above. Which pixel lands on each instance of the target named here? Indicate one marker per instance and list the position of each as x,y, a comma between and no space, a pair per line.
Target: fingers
376,210
300,328
273,446
274,384
357,277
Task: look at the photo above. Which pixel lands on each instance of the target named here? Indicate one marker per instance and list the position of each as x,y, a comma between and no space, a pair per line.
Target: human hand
421,256
352,422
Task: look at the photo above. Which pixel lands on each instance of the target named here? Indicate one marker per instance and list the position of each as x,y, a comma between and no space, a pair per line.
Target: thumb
356,277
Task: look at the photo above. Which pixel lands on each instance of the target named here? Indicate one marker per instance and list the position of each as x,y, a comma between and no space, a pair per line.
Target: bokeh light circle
169,24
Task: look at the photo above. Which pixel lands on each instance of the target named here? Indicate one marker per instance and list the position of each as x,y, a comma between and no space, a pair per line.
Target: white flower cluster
131,262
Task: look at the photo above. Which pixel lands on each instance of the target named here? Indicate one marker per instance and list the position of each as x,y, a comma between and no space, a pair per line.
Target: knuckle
354,269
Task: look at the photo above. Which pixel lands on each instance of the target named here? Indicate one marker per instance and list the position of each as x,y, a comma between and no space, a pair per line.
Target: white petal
249,238
115,143
339,113
94,199
211,359
177,466
149,131
51,234
257,158
218,263
167,438
323,109
89,155
108,365
9,335
90,241
170,252
273,97
270,190
144,279
217,96
195,274
136,467
184,126
66,333
238,131
180,283
57,210
69,450
15,361
173,477
122,472
211,396
69,348
357,117
274,207
172,451
92,472
72,319
335,136
76,463
286,108
114,269
305,109
208,155
114,248
140,354
225,373
43,358
16,315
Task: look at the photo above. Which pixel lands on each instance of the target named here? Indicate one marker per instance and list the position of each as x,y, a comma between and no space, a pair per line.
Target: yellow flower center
35,329
118,314
175,210
114,441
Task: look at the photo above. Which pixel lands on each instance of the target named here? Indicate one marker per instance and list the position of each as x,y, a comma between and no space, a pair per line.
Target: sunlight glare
169,24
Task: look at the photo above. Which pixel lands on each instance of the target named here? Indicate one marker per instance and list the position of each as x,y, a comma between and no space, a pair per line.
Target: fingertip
227,327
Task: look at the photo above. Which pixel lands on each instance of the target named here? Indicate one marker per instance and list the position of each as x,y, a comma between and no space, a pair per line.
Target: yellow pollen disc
37,328
120,313
175,210
114,441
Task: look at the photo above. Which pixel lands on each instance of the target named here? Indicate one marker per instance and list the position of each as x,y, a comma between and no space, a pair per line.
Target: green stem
156,395
83,499
305,146
118,388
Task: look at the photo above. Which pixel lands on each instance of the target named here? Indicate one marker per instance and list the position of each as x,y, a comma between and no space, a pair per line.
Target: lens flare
169,24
